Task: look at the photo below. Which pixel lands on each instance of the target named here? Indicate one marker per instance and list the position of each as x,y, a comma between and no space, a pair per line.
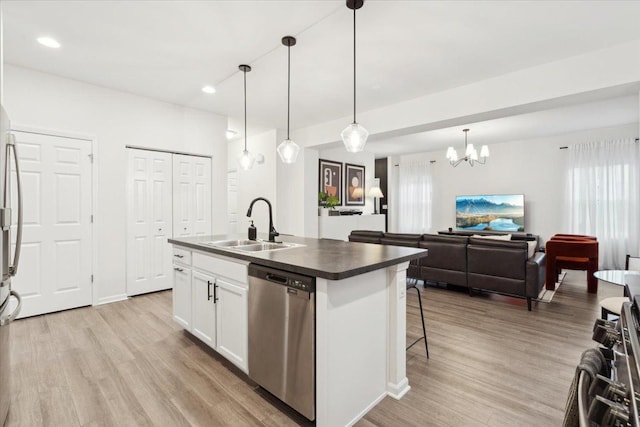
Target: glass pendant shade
246,160
354,137
288,151
484,151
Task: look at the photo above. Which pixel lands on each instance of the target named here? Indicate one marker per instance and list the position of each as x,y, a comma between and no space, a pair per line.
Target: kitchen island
360,306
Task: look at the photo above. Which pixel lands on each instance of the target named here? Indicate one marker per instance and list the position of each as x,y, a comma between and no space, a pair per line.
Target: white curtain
414,197
603,195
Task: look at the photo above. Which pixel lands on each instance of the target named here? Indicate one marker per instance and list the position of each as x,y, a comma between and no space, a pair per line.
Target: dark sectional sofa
476,263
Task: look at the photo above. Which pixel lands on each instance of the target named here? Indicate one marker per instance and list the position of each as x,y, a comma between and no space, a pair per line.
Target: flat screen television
498,212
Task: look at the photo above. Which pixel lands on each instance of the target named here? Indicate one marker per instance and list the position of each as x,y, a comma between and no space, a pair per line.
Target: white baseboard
397,391
113,298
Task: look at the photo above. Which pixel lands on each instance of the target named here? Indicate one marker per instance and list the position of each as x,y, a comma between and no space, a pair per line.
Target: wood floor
492,363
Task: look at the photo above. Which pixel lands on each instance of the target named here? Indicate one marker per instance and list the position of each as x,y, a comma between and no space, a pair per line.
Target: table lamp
375,192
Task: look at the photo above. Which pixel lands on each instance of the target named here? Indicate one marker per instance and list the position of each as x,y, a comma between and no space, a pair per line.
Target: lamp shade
288,151
375,192
469,150
484,151
354,137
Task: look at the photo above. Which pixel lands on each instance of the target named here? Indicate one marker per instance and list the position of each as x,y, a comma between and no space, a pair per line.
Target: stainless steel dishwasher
282,357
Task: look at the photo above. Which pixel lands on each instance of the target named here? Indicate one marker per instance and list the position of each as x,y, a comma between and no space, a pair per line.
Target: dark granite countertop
326,258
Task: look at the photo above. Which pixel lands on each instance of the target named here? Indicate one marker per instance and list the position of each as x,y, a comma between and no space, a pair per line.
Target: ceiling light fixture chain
288,150
470,154
355,135
246,159
354,65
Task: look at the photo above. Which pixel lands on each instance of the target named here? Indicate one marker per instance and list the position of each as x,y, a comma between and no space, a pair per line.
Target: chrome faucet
272,231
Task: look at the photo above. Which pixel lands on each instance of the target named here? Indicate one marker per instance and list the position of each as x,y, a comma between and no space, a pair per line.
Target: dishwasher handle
276,279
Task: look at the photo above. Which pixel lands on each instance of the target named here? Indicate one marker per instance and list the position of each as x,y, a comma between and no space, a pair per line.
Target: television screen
502,212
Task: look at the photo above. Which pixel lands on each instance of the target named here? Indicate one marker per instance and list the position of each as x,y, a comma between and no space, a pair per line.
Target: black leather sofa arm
536,269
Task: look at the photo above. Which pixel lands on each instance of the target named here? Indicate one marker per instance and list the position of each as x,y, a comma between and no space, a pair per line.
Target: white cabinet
232,320
203,308
212,305
182,296
340,226
192,195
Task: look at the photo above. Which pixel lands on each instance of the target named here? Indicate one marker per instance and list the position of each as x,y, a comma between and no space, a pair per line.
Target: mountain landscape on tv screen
479,213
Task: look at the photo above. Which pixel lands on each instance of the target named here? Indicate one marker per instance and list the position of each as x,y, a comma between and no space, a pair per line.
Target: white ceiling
168,50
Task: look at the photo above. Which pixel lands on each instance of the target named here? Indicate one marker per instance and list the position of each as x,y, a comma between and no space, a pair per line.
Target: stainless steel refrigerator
9,265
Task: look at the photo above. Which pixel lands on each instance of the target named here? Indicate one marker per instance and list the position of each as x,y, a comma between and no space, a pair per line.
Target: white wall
116,119
533,167
259,181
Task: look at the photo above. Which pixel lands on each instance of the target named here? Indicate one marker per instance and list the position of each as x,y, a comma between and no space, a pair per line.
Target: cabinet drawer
220,266
181,256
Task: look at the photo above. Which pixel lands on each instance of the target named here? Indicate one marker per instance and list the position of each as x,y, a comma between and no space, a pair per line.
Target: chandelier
470,153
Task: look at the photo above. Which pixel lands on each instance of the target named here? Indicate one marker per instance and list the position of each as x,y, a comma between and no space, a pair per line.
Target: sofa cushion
401,239
365,236
445,252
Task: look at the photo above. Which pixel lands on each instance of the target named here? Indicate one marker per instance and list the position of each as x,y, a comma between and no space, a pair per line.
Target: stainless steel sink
231,243
252,245
265,247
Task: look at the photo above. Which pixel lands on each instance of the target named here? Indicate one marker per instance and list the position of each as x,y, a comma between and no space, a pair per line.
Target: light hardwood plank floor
492,363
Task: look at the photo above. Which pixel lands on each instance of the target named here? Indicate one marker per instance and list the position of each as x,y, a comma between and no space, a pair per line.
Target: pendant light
355,135
288,150
246,159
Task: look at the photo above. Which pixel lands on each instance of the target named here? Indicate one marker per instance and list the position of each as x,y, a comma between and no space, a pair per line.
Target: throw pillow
533,245
494,237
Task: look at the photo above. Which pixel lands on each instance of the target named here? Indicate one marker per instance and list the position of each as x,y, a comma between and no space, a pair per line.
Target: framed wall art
330,181
354,185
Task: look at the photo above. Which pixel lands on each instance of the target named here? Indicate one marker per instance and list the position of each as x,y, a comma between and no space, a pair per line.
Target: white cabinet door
204,308
231,314
55,267
149,224
182,296
192,195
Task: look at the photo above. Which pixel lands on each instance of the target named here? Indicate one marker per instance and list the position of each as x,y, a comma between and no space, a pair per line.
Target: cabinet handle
178,256
209,290
178,269
215,292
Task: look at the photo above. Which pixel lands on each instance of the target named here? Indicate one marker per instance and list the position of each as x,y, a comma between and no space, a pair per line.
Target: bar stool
413,285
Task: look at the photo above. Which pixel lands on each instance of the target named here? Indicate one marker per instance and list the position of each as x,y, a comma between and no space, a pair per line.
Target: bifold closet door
191,195
149,221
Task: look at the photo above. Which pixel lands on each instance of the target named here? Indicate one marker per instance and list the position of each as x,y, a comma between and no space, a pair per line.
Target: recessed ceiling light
209,89
49,42
231,133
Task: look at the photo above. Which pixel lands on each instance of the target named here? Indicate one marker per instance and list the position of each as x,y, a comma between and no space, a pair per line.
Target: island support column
398,384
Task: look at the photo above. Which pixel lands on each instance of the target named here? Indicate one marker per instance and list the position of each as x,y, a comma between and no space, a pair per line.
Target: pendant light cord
245,109
354,65
288,87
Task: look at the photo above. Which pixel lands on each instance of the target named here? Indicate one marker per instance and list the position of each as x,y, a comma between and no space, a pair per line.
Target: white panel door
182,196
191,195
55,269
149,210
